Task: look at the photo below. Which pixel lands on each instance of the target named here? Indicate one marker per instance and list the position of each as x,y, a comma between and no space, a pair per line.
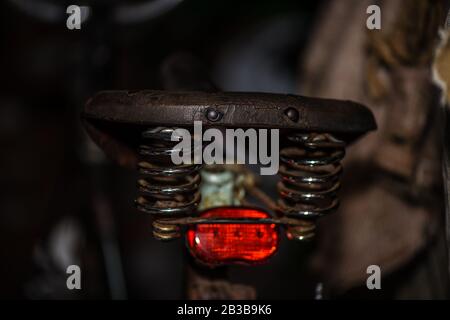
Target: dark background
61,201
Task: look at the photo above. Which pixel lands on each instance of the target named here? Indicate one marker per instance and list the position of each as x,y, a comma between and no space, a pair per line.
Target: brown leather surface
239,109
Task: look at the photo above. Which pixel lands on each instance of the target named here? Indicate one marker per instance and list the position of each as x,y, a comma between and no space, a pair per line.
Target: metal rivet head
213,115
292,114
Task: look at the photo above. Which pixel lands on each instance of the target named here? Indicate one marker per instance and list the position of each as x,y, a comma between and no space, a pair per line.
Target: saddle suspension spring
165,190
310,169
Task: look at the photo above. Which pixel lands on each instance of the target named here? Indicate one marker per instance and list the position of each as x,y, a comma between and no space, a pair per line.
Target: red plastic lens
215,244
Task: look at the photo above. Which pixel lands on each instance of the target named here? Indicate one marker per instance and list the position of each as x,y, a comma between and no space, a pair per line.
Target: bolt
213,115
292,114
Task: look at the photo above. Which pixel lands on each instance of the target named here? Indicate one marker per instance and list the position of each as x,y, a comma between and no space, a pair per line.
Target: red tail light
215,243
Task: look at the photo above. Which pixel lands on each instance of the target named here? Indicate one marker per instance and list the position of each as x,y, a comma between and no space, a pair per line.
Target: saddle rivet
292,114
213,115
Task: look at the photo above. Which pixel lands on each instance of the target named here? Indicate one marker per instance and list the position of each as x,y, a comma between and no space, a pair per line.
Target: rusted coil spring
310,170
165,190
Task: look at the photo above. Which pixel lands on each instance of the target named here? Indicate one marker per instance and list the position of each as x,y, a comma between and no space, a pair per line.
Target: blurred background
63,202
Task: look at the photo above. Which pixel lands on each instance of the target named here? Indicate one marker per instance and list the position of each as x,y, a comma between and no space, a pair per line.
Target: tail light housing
243,242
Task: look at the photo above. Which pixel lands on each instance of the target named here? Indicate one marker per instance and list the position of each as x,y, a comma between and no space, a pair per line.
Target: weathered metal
115,119
310,156
256,110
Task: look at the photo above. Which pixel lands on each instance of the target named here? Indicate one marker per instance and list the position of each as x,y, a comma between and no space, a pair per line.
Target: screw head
213,115
292,114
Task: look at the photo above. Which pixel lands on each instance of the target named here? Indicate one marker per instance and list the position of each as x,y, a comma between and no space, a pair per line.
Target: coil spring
310,170
165,190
